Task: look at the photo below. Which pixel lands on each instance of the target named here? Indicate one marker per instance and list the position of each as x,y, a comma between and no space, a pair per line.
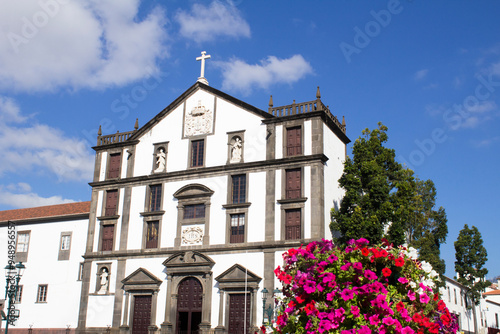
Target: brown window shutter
293,183
114,165
108,232
111,202
292,224
294,141
152,234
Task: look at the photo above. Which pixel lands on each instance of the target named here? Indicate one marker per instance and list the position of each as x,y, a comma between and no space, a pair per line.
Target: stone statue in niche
236,148
104,281
198,121
160,160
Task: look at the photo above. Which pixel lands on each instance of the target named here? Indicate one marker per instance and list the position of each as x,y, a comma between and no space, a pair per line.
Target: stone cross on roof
202,73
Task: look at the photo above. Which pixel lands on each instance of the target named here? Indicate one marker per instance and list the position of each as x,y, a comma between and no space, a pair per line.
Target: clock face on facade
192,235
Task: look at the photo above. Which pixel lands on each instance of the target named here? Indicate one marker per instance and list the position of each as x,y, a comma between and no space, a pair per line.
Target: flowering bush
359,289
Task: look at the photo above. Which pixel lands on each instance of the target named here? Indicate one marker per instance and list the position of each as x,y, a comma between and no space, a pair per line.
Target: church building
190,213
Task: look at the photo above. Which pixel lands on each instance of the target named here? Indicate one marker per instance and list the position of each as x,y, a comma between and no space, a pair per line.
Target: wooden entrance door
142,315
237,311
189,306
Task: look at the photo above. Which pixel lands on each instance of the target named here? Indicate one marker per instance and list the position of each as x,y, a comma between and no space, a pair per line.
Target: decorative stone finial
136,125
99,132
271,102
318,94
202,72
343,120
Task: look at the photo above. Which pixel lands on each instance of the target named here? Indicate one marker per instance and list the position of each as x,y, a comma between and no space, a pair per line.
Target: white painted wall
334,149
43,267
257,211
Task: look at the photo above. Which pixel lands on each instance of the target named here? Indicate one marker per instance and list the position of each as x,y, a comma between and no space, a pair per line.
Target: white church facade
190,214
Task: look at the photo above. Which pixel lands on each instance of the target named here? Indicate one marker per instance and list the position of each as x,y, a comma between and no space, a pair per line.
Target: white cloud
206,23
47,44
483,107
29,199
238,75
42,149
419,75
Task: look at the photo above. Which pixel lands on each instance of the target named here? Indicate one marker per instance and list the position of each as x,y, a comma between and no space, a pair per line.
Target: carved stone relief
192,235
198,121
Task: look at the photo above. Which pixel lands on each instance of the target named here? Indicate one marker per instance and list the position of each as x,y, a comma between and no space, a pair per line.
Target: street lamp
13,275
269,311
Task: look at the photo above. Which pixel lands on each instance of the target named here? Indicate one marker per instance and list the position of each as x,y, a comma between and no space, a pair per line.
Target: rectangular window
108,233
237,228
65,242
41,296
294,141
292,224
152,234
19,294
496,320
194,211
239,188
155,197
114,165
455,294
197,152
23,240
111,202
293,183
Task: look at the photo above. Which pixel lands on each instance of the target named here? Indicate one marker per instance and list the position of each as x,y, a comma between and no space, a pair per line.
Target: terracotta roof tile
45,211
492,293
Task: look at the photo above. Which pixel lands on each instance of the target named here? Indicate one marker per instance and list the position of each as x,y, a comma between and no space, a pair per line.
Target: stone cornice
209,171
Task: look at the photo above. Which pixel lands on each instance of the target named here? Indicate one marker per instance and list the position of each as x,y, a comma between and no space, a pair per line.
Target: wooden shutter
293,183
292,224
142,314
294,141
111,202
114,165
108,233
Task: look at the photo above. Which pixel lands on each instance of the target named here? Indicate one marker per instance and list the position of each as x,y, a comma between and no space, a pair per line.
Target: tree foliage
471,256
383,199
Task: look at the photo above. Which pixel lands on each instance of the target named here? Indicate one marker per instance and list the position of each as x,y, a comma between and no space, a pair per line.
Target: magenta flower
402,280
370,274
374,320
310,286
407,330
355,311
346,266
364,330
330,296
424,298
411,295
347,294
388,321
357,266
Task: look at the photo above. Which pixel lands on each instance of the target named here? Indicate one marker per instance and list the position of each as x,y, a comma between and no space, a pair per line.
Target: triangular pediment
141,277
238,273
186,95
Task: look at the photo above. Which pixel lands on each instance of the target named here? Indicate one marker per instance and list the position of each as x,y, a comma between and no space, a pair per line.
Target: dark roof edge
189,91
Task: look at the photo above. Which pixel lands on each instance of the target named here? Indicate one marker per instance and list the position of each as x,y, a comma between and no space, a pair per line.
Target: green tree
471,256
383,199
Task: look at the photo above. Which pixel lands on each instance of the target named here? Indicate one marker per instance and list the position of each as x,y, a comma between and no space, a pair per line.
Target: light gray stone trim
101,225
97,166
92,221
271,141
317,201
270,205
84,297
130,156
64,254
317,136
146,220
23,256
117,310
125,218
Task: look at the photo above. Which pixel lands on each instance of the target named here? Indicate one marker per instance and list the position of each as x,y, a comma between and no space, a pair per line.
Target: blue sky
430,71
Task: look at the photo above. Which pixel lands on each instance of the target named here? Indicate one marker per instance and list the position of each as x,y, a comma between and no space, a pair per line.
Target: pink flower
346,266
355,311
328,277
330,296
370,274
424,298
402,280
388,321
411,295
407,330
347,294
310,286
364,330
374,320
357,266
324,326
